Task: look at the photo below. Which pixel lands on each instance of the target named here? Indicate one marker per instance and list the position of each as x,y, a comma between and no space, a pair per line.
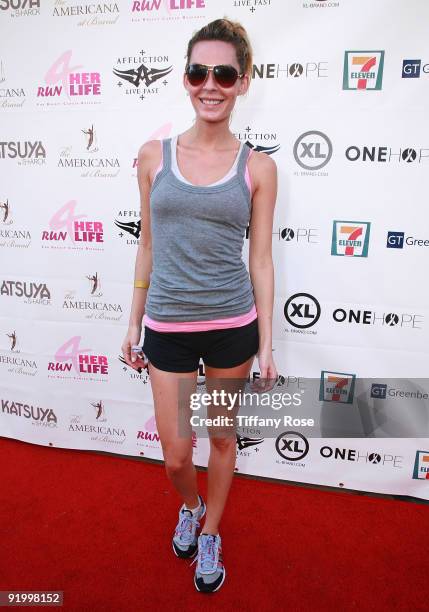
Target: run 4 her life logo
67,84
363,70
350,238
71,361
337,387
66,230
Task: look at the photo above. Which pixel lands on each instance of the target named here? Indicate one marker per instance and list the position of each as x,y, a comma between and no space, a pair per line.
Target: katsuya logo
142,75
21,8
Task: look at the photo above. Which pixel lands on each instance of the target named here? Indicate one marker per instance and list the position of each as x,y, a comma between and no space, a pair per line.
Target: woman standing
199,190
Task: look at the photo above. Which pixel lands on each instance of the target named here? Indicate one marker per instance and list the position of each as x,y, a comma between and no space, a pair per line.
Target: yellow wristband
139,284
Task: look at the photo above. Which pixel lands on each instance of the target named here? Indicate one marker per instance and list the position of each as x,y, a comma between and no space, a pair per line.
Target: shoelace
207,555
185,527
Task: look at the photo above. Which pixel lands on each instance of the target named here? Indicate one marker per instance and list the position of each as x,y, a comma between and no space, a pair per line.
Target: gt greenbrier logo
363,70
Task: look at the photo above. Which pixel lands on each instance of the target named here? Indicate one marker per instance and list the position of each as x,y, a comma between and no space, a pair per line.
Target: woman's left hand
267,369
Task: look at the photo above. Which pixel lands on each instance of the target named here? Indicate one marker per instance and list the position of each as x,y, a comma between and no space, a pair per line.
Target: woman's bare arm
149,157
261,269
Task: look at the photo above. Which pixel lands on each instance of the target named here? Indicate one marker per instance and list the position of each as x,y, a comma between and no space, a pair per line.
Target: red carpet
99,528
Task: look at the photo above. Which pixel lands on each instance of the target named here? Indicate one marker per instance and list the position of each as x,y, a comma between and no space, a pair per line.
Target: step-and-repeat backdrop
339,100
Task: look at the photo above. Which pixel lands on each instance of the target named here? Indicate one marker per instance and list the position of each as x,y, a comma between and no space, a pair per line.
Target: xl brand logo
302,310
292,445
312,150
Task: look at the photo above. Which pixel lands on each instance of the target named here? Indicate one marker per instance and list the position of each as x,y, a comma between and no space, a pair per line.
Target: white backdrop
339,98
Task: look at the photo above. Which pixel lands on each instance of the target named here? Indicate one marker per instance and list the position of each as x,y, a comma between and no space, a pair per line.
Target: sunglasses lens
196,74
226,76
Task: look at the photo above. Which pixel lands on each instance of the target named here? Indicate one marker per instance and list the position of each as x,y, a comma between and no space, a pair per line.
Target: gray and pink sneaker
185,539
210,572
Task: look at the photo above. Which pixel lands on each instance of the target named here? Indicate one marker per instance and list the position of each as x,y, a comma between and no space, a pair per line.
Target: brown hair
228,31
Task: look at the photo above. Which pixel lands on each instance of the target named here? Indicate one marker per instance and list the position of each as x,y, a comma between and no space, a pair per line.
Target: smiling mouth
210,101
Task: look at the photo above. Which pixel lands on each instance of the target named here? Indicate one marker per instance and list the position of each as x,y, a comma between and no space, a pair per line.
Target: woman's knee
175,462
223,444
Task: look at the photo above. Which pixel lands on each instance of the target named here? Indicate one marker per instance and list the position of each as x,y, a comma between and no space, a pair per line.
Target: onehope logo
363,70
337,387
350,238
312,150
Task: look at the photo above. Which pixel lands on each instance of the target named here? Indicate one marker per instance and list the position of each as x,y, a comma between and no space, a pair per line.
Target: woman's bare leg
176,448
222,452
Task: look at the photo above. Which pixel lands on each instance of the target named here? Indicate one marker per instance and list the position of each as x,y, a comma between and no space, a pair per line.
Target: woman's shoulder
150,156
261,165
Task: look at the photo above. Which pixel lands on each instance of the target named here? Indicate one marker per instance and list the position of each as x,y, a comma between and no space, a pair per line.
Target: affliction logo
89,14
32,293
247,442
10,97
11,238
141,72
86,302
65,227
92,166
26,153
79,87
259,141
21,8
129,229
70,359
40,417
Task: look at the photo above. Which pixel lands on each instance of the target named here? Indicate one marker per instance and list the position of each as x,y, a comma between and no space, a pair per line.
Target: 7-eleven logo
363,69
350,238
337,387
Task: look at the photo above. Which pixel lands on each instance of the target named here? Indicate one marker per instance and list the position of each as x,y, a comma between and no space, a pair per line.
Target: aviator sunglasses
225,75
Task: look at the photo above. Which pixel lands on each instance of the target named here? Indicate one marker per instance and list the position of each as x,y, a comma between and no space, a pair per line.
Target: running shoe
210,572
185,539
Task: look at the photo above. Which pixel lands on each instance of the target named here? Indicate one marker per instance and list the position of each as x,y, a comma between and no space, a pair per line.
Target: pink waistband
178,326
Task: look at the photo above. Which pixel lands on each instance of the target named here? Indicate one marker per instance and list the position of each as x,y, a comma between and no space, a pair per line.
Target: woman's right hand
134,360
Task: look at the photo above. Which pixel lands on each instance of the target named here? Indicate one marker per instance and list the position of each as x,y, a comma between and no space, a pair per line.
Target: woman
198,192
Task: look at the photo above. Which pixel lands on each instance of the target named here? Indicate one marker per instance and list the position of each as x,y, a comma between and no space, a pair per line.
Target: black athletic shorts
219,348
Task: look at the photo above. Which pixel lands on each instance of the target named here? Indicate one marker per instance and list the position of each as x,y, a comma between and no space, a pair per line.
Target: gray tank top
198,273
